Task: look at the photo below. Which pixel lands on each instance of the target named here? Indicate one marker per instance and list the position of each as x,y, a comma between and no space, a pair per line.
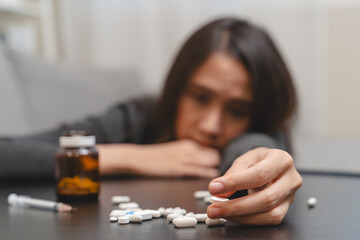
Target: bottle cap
77,141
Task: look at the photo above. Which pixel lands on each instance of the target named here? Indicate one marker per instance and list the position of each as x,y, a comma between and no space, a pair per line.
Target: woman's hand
173,159
271,180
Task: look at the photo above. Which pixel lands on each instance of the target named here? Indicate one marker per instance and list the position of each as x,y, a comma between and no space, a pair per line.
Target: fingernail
216,187
214,212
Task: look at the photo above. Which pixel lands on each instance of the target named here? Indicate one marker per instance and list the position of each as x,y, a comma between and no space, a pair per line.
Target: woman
226,107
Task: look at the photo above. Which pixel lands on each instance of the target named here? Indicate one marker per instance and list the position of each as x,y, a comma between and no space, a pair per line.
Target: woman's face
215,107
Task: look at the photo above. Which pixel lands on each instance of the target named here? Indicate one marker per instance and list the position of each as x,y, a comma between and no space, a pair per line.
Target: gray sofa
36,95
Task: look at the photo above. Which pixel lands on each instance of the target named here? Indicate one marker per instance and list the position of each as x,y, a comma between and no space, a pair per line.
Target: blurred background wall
318,38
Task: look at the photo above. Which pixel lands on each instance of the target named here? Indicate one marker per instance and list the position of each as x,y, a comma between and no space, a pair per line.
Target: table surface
336,216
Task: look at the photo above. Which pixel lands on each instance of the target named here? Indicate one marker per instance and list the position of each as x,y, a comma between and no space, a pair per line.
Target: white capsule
117,213
168,211
207,200
113,219
201,194
172,216
162,211
179,210
214,199
190,214
155,213
128,205
120,199
146,214
123,220
135,218
215,222
201,217
311,202
182,222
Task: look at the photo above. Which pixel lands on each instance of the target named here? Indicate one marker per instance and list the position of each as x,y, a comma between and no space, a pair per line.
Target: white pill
311,202
172,216
207,200
117,213
201,217
179,210
201,194
182,222
120,199
113,219
146,214
214,199
168,211
162,211
128,205
155,213
190,214
135,218
123,220
215,222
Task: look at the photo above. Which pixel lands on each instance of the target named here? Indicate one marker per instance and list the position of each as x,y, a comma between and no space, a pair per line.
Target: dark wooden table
336,216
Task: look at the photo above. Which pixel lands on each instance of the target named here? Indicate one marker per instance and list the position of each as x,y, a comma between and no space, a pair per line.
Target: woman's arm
173,159
29,157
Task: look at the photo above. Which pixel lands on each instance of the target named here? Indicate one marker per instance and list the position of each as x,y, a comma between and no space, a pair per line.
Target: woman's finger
248,159
258,202
272,217
254,177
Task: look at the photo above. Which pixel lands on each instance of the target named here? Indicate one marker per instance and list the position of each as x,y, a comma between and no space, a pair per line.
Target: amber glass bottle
77,168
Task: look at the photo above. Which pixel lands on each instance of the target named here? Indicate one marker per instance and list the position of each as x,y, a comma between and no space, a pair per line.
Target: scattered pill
155,213
137,218
172,216
162,211
117,213
311,202
128,205
113,219
215,222
190,214
201,217
146,214
120,199
214,199
123,220
201,194
207,200
182,222
168,211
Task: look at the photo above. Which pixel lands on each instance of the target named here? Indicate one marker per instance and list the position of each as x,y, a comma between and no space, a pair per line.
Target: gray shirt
32,157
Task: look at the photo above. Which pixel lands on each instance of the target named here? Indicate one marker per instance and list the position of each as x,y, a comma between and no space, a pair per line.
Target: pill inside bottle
77,168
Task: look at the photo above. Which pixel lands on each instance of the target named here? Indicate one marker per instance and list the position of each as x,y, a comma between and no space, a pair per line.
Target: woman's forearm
117,158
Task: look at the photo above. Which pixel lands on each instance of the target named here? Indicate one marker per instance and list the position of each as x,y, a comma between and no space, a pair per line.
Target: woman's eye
238,113
200,98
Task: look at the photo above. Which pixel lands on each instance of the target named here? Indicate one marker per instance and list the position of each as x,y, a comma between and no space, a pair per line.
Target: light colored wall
343,72
318,38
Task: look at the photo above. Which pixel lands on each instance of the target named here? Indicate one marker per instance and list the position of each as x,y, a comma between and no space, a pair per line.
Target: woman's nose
211,122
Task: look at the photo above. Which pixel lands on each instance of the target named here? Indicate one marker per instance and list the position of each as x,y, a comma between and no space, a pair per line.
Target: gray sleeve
248,141
33,156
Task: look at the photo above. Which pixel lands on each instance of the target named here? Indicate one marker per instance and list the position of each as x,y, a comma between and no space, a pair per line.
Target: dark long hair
274,96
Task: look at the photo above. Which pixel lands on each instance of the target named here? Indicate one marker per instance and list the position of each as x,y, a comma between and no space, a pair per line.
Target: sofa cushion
13,118
52,94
